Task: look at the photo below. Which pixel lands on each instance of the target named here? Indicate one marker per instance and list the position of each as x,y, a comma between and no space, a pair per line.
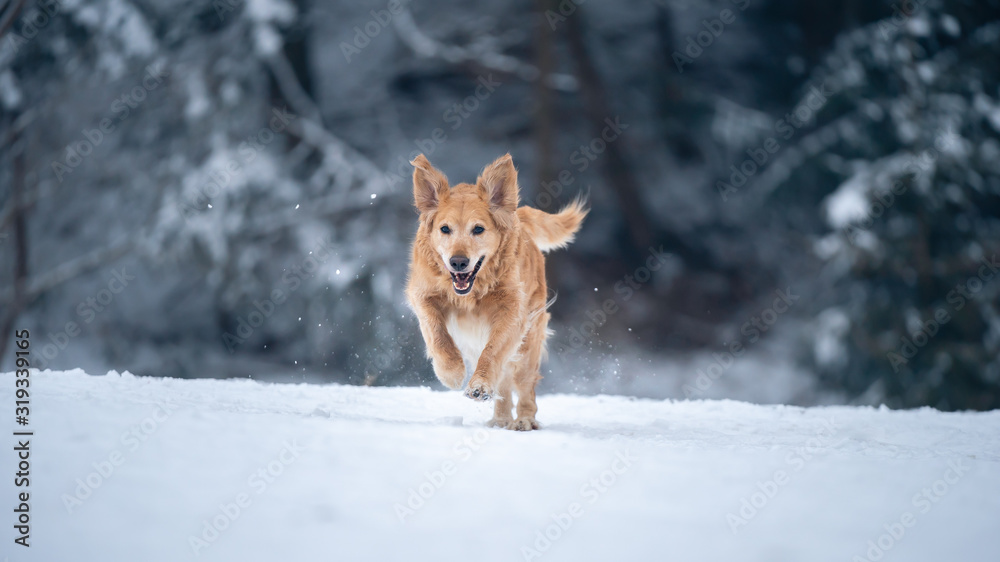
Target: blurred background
793,202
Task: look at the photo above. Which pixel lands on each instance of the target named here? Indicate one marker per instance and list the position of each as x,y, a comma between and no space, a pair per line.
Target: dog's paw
502,423
479,389
450,373
523,424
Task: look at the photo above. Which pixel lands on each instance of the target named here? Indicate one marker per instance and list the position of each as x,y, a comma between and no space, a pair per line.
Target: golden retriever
477,283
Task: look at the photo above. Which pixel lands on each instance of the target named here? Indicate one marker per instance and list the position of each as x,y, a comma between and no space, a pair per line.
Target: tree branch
425,46
310,127
77,266
10,14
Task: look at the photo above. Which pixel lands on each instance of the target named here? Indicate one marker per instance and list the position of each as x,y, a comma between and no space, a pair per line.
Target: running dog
477,283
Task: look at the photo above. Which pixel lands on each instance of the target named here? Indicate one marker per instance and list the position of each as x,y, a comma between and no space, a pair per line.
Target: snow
325,471
951,25
10,94
267,41
278,11
849,202
829,348
198,102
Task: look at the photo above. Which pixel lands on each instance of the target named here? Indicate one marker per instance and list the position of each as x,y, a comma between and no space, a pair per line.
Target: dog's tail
551,232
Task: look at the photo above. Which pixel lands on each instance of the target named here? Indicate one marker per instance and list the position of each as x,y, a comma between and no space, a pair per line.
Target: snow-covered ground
127,468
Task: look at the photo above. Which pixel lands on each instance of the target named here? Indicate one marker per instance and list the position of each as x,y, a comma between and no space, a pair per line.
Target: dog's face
463,234
466,224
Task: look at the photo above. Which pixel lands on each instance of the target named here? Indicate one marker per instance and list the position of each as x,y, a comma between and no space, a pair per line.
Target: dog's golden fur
494,315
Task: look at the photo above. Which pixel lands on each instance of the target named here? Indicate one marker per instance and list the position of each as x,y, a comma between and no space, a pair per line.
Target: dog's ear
499,182
430,186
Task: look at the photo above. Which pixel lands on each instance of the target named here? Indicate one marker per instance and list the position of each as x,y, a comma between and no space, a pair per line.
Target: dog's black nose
459,263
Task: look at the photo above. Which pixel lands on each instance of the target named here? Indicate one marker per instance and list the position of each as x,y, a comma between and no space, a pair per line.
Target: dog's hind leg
502,404
525,382
527,375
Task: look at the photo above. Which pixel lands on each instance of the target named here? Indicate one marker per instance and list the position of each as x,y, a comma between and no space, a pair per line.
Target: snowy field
125,468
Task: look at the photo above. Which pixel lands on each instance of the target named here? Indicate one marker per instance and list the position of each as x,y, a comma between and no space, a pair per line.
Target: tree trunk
544,108
20,242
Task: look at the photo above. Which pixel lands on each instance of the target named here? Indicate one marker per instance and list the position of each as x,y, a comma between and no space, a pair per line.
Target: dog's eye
478,230
445,229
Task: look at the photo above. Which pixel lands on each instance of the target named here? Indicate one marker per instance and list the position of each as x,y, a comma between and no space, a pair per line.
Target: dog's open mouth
462,282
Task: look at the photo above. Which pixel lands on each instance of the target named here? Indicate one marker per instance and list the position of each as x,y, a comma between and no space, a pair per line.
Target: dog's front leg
445,357
505,336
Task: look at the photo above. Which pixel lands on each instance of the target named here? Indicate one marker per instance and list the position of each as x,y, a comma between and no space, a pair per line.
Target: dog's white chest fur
470,333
